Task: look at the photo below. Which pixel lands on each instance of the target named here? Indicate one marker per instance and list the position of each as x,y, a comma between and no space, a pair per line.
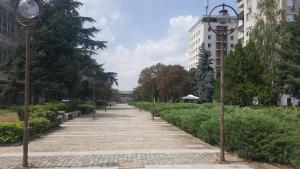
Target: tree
193,75
269,35
244,78
148,83
205,76
62,47
173,82
290,65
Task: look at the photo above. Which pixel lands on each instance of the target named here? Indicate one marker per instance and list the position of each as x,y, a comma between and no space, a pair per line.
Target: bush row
41,118
267,134
159,107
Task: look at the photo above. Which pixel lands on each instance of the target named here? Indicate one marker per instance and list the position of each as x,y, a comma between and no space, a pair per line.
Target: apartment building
249,10
201,34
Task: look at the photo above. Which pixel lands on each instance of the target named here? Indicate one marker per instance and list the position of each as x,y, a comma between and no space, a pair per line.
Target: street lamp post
222,19
153,76
27,13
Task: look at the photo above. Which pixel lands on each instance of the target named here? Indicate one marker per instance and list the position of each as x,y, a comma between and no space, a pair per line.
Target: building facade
249,10
125,96
201,34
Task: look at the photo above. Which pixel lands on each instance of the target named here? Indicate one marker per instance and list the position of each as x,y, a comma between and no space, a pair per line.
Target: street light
222,19
153,77
27,14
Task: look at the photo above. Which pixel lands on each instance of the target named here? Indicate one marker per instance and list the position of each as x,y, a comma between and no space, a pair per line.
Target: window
290,17
232,45
249,16
209,29
209,37
290,3
208,45
249,3
232,37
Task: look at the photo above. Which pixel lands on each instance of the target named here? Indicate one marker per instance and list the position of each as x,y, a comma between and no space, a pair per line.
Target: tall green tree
269,35
205,76
244,78
290,65
193,75
62,47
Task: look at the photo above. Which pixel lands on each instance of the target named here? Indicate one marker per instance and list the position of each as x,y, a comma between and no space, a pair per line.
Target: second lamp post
153,77
223,19
27,13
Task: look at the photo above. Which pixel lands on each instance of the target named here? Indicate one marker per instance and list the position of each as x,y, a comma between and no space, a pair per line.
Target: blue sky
141,33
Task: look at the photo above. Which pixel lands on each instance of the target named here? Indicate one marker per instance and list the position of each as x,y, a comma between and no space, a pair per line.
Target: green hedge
269,134
39,125
159,107
41,118
87,108
10,132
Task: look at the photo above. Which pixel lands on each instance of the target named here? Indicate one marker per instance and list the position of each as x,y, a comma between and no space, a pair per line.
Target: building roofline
203,19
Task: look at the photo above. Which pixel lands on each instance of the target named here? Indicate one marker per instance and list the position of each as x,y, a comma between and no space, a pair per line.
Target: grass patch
7,115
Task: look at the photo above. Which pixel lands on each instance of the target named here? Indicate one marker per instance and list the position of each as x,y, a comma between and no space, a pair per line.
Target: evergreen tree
290,66
62,47
205,76
193,75
243,76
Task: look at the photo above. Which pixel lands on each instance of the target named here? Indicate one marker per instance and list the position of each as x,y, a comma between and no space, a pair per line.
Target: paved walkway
121,138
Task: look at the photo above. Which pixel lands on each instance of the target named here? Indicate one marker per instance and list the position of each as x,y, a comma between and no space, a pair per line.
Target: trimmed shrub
10,132
39,125
101,103
86,108
269,134
51,116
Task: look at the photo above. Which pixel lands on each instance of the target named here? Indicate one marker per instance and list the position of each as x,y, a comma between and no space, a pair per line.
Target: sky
141,33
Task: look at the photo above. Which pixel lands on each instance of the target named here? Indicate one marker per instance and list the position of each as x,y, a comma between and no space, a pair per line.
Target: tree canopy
61,57
168,83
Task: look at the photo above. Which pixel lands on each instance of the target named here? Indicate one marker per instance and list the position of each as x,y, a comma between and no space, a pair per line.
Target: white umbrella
190,97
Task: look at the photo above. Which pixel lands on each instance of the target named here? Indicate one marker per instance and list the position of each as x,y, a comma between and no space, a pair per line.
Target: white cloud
108,15
169,50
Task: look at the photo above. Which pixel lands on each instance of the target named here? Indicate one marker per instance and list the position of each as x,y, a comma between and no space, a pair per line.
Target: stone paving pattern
121,138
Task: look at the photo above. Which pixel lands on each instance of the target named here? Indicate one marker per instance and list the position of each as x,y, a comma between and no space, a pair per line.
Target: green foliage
61,59
10,132
101,103
39,125
161,106
260,133
205,76
269,35
244,77
87,107
47,110
290,65
193,75
48,115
